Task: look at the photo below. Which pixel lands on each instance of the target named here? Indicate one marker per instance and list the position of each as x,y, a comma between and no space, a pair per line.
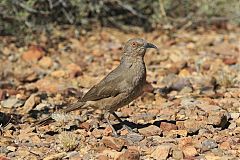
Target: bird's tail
72,107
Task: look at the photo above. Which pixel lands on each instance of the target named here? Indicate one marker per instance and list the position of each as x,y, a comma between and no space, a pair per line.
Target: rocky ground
191,110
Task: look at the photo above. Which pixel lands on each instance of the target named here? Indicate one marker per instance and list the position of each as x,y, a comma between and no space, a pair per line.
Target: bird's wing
112,85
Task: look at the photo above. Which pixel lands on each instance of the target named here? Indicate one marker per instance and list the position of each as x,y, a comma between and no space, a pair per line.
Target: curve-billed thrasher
121,86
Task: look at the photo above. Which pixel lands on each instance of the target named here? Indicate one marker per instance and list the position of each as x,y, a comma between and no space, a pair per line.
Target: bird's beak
150,45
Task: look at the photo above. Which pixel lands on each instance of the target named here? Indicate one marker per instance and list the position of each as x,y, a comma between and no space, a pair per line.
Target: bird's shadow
133,125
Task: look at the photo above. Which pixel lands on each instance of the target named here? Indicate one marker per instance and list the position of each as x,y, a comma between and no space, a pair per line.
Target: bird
120,87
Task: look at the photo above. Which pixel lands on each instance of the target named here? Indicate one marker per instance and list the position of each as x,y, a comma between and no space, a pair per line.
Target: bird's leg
106,116
122,122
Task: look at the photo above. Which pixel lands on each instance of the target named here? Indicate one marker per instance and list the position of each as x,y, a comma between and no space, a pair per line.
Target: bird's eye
134,44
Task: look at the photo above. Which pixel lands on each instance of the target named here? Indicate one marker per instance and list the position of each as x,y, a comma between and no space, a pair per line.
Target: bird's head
137,47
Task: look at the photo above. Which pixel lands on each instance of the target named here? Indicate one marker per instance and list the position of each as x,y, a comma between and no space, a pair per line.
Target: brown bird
121,86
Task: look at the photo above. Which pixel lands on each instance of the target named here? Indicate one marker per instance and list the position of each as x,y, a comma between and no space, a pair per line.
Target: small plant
225,78
68,141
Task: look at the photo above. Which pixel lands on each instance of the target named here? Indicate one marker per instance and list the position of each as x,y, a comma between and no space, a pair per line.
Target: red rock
85,125
182,142
230,61
34,53
130,154
167,126
114,143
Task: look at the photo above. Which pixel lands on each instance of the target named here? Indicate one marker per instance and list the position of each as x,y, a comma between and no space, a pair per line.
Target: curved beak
150,45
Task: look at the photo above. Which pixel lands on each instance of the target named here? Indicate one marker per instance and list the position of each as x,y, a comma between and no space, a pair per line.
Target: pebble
208,144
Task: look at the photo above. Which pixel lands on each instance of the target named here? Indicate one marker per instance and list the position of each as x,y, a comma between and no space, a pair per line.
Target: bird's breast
138,75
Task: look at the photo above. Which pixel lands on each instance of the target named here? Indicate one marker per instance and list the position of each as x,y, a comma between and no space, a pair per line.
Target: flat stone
211,157
114,143
134,137
193,126
209,108
161,152
177,154
151,130
167,126
185,141
189,151
217,119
